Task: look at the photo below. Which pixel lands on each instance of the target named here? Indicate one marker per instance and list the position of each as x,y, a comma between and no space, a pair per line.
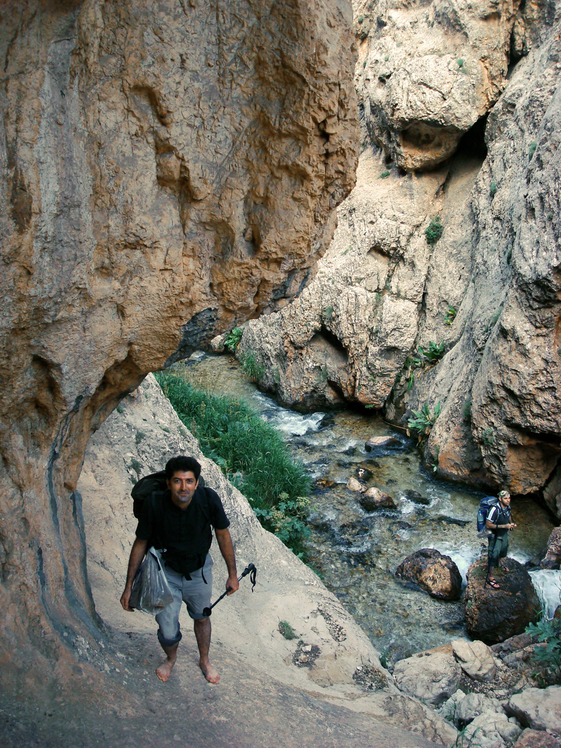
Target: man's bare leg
164,670
202,634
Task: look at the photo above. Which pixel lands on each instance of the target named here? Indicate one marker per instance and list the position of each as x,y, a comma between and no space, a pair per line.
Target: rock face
167,170
495,615
401,315
552,558
428,71
433,572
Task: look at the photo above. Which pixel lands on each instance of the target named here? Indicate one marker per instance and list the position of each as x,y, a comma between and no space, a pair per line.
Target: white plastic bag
150,588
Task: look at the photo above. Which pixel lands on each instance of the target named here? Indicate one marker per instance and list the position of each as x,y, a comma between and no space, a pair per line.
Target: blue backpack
484,508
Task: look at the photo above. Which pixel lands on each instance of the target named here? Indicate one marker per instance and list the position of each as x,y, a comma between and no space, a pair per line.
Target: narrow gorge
372,193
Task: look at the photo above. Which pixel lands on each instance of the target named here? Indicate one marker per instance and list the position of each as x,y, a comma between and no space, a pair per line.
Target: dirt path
243,711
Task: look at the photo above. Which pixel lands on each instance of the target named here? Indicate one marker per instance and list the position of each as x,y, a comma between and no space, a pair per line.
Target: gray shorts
194,592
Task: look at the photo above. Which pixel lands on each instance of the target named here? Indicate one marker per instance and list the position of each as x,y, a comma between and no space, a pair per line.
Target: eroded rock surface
168,169
399,319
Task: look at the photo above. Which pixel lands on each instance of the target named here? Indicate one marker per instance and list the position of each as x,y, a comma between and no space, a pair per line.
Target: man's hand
227,550
125,597
232,584
138,551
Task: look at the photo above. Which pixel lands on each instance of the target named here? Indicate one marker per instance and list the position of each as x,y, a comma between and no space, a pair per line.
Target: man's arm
138,551
491,526
227,550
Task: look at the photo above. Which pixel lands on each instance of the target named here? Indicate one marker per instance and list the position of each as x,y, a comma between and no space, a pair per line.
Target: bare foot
164,670
210,673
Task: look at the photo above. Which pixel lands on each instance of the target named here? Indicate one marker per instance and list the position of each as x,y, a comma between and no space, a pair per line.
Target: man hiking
499,521
180,520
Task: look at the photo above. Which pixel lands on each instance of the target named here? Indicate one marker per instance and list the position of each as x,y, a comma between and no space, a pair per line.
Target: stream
356,552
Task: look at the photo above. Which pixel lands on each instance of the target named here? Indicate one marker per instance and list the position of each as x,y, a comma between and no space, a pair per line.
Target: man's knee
169,642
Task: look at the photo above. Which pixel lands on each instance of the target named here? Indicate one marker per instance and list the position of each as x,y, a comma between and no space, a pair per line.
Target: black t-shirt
500,515
185,534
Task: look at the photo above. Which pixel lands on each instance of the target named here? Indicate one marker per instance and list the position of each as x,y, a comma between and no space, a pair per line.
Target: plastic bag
150,589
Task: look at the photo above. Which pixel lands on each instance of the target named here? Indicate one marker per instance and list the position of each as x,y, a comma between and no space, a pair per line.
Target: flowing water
356,552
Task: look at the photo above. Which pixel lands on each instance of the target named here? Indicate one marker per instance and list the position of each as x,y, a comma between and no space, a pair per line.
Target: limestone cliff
168,169
462,260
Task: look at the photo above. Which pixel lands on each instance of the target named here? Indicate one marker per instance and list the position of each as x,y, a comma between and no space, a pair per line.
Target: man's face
505,500
182,485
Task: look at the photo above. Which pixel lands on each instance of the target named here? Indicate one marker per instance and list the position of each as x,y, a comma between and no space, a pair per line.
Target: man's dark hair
181,463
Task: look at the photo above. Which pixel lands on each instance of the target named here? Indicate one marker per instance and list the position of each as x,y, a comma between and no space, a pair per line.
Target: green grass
250,452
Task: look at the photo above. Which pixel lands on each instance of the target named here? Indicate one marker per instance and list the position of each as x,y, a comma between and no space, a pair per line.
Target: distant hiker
179,519
499,521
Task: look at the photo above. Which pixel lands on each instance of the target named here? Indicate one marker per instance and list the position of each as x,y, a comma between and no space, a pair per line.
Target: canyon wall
441,289
168,170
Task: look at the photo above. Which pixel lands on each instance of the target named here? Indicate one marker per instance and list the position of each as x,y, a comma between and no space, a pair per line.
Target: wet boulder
494,615
552,558
373,499
433,572
416,497
376,443
353,484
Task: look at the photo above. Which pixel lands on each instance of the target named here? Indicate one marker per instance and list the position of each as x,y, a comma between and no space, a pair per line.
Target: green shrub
385,174
532,150
250,452
232,339
286,630
493,189
434,230
423,420
547,633
251,367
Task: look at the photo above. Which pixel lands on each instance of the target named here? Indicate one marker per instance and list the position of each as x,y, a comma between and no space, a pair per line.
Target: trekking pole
249,569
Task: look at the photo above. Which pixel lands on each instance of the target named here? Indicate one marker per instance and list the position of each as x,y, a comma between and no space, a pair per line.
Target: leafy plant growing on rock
547,633
450,315
434,230
433,353
423,420
232,339
532,150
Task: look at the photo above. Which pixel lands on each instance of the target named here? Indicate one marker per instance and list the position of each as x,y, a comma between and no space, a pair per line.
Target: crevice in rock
472,143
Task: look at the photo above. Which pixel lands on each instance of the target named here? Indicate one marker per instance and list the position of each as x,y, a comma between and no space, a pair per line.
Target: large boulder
476,659
433,572
432,677
538,708
492,730
494,615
